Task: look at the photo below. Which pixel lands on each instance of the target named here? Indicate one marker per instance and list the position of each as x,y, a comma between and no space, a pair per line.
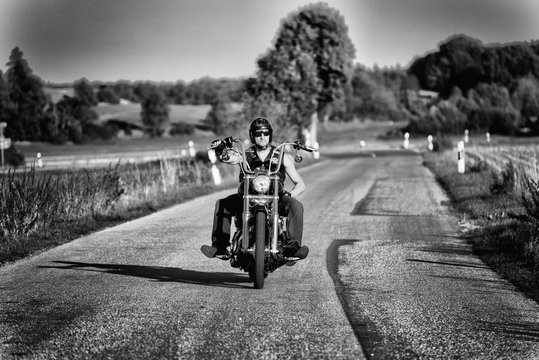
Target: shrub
530,201
181,128
441,143
24,204
96,131
505,181
495,120
13,157
477,163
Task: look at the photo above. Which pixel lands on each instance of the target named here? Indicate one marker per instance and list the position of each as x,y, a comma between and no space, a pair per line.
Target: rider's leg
224,210
293,210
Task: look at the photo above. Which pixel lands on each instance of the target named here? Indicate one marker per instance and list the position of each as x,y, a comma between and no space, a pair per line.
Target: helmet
259,124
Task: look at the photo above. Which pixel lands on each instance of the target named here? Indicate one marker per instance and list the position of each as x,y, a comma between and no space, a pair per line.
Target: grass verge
40,211
503,237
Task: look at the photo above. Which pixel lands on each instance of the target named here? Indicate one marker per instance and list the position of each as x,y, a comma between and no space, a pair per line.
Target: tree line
482,87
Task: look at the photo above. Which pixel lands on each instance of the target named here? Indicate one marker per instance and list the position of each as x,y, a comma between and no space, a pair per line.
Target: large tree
27,96
308,68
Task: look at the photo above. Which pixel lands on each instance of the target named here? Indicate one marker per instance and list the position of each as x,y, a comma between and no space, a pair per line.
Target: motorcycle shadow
160,273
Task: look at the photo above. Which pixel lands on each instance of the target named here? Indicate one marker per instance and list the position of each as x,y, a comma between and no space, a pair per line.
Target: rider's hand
287,193
229,141
218,146
223,156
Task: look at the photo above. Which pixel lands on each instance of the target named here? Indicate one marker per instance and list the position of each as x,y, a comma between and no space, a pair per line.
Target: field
137,146
130,112
498,157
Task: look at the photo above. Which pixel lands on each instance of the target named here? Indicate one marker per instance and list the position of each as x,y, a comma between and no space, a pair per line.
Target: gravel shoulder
412,287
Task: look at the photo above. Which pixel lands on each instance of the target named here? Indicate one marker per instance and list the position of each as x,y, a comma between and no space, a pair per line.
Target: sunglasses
261,133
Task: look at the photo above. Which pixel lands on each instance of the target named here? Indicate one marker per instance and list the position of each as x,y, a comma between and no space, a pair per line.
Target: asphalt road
387,277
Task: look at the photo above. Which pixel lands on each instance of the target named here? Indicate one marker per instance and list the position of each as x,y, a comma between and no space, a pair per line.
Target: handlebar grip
305,147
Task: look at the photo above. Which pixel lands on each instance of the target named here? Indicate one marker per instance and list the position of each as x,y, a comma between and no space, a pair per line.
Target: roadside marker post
406,143
316,153
214,169
307,134
460,157
192,149
430,146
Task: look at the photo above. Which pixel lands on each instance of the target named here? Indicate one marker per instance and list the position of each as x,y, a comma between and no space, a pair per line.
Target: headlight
261,184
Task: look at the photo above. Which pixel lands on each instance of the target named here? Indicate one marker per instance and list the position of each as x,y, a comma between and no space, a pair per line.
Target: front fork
273,214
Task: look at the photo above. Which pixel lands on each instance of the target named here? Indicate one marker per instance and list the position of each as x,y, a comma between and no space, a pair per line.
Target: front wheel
260,244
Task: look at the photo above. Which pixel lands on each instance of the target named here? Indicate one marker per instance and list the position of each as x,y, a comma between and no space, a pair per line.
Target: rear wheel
260,243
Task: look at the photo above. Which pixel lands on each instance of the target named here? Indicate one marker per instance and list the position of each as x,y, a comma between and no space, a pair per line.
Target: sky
172,40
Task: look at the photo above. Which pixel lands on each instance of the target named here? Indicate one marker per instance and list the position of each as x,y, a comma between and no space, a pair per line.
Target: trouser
232,205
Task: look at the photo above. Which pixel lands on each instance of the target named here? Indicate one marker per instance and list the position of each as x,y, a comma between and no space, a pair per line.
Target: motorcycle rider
260,134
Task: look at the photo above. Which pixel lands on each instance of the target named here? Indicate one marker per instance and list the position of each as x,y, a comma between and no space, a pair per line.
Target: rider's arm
299,185
232,158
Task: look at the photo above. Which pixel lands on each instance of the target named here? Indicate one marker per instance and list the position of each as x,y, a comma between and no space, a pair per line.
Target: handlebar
299,146
237,146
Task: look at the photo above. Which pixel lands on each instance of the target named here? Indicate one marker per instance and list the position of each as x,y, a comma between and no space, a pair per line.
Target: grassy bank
501,206
39,211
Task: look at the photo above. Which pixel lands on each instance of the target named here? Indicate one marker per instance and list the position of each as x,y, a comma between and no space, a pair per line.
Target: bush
530,201
441,143
495,120
181,128
505,182
13,157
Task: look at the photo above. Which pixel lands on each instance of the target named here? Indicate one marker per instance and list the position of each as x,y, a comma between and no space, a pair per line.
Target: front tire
260,245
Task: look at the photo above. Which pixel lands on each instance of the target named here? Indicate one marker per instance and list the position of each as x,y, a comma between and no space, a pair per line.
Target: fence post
214,169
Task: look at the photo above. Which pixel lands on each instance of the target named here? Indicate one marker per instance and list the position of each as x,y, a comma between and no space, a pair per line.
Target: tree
309,66
465,62
220,115
375,94
85,92
155,112
7,107
83,102
526,97
107,94
27,96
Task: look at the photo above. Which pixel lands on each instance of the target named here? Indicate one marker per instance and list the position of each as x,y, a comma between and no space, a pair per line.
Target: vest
255,162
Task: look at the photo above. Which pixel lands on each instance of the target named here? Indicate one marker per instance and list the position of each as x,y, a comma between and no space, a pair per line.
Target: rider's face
262,138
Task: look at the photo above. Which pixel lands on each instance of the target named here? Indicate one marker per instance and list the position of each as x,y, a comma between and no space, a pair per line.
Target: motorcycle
258,242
